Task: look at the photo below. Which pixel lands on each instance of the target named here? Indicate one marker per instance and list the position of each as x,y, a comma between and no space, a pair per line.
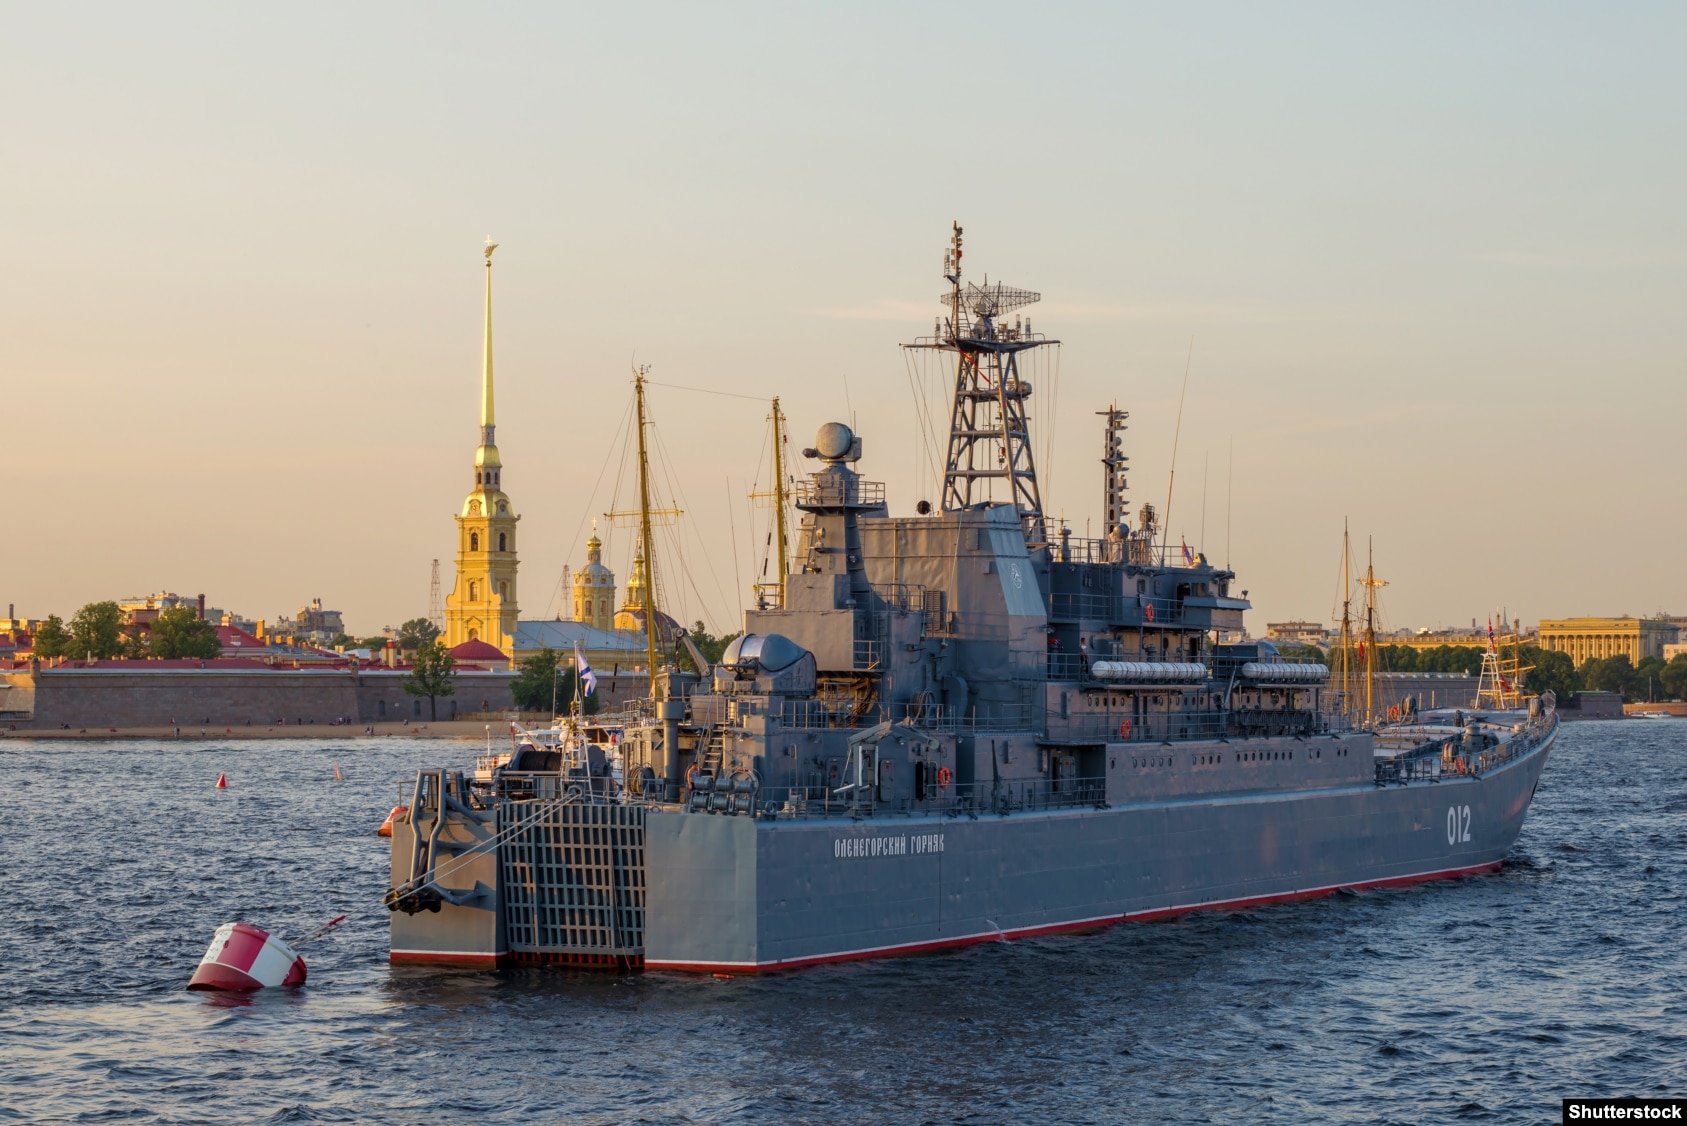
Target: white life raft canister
243,957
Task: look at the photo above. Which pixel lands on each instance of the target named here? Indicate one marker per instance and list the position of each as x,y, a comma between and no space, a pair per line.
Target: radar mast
989,436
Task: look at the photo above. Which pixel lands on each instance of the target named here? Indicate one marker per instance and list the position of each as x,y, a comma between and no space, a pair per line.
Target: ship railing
1069,607
829,494
908,597
1125,727
955,800
867,654
825,715
996,717
1432,763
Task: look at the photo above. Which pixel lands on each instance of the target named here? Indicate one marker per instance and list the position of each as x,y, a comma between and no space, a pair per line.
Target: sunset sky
1429,263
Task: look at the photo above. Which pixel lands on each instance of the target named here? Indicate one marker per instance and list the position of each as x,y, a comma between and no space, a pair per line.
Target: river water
1484,999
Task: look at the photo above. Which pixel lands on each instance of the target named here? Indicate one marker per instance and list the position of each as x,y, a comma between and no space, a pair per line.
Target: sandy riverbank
443,729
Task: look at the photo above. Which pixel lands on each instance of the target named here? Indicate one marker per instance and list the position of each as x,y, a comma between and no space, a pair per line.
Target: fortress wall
144,698
1434,690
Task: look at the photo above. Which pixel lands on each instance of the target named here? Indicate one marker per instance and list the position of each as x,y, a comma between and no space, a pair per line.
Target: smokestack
201,607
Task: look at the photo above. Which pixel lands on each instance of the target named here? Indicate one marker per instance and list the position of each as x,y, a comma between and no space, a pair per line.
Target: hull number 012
1458,824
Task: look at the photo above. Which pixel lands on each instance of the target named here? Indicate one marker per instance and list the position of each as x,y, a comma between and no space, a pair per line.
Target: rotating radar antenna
989,435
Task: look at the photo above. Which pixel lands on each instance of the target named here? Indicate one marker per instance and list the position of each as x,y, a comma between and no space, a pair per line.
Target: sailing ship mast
1371,583
1345,642
644,537
779,496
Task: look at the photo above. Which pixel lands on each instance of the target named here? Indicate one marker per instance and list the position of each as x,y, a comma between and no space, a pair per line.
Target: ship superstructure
950,727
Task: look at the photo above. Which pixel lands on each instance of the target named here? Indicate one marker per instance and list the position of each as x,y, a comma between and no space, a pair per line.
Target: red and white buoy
222,781
245,958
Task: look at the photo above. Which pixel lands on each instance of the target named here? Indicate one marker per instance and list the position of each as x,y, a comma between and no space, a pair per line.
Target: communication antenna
1113,459
1177,433
1229,488
434,613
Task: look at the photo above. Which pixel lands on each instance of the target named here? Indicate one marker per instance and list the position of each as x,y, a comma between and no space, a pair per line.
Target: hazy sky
1432,260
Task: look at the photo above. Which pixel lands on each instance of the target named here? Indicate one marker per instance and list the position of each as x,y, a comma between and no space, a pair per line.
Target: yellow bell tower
482,605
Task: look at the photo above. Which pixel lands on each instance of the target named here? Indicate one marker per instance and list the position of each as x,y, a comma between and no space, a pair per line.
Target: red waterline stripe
1062,928
432,958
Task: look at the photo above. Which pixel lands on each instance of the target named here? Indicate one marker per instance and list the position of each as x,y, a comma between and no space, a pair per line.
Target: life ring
1148,612
1394,712
943,776
1124,729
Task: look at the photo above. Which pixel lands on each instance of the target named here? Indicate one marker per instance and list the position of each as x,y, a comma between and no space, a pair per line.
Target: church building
482,604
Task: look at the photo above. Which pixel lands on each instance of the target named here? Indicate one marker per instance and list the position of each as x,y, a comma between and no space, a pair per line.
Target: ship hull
732,894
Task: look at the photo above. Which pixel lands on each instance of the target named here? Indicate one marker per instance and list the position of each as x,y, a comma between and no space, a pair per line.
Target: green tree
430,676
1613,674
542,682
1451,658
52,639
1549,670
416,632
1646,677
97,629
711,646
180,632
1674,678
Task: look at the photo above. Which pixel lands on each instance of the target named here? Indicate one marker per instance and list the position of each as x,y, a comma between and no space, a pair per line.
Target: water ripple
1484,999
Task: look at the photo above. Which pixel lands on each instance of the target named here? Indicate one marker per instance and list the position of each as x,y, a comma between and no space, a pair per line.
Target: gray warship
948,728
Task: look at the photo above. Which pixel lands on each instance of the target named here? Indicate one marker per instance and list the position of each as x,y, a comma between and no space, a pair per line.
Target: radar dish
992,299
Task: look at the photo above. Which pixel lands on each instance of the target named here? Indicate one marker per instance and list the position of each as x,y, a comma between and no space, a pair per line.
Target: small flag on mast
1188,556
588,678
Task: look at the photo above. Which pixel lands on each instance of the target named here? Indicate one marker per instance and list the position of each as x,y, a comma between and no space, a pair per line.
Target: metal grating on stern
574,882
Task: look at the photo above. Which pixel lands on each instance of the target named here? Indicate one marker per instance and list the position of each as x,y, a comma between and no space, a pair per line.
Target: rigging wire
560,596
1177,433
737,573
675,492
706,391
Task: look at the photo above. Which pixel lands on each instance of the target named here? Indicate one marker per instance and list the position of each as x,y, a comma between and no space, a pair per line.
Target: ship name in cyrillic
916,844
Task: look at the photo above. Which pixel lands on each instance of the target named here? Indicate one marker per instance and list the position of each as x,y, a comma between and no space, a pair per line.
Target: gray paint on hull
761,894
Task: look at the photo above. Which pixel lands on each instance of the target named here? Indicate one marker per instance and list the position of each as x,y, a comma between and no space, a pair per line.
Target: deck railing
955,800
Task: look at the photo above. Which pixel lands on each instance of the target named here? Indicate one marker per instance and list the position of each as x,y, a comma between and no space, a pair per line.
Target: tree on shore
52,640
541,681
97,631
430,676
180,632
1674,678
417,632
1549,669
1612,674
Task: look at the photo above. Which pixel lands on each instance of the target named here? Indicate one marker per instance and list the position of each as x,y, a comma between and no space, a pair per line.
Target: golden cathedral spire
487,419
482,606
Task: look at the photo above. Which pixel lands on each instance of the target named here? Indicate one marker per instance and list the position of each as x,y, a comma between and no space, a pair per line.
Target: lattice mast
989,438
1500,684
436,613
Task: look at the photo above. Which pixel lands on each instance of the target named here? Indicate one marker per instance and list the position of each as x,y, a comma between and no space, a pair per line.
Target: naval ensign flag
588,678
